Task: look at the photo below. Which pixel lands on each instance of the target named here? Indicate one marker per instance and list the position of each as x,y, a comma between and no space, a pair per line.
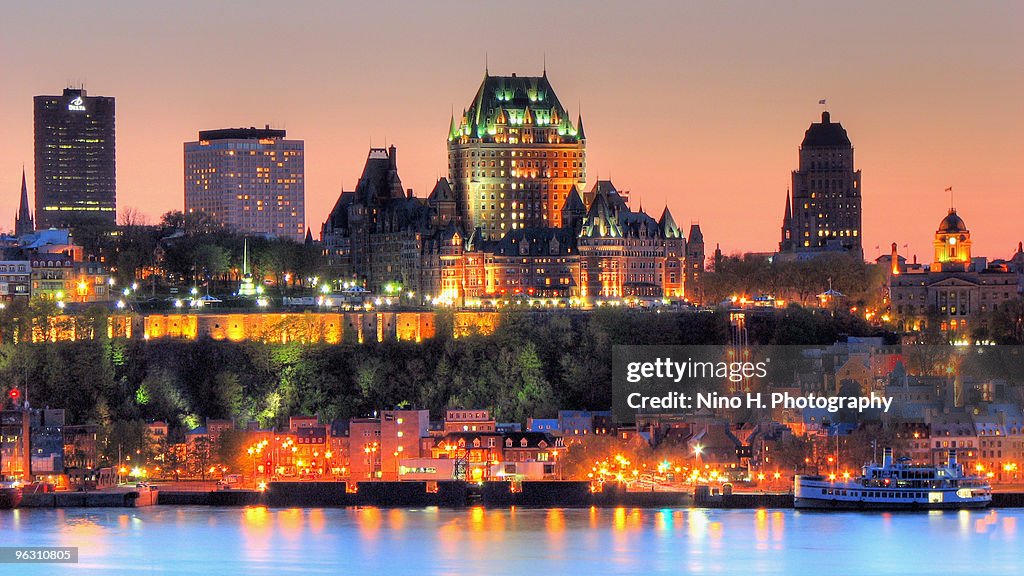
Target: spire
248,285
245,256
579,127
309,236
668,226
787,226
23,223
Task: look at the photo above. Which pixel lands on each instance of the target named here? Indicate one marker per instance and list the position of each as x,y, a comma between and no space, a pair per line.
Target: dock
110,498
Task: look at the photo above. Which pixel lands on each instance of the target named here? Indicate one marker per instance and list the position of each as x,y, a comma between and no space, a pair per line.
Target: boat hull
819,494
825,504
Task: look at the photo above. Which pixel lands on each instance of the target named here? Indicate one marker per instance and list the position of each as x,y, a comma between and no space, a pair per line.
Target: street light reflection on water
257,540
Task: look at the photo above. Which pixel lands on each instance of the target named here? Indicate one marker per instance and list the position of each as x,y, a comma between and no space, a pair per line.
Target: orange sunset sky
701,105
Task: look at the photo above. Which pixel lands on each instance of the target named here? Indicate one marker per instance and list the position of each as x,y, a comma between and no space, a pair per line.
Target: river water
592,541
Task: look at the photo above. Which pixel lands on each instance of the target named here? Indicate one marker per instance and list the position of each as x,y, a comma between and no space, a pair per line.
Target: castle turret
573,212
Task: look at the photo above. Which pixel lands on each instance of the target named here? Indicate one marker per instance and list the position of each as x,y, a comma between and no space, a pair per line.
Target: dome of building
952,224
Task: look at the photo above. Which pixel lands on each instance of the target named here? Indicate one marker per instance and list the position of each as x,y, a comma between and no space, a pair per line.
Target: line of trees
862,284
185,248
534,364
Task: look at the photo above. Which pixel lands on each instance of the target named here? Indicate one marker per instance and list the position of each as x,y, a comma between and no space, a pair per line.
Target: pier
444,494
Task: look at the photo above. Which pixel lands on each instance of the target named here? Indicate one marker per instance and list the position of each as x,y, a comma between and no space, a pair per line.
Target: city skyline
712,128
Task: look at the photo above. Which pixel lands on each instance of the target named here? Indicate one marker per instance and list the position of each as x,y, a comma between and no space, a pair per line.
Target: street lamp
252,452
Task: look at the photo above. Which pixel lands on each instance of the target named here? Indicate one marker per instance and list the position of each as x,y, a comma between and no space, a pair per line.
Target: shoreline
444,494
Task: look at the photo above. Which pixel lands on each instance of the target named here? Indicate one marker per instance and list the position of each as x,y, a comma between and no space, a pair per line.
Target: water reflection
522,540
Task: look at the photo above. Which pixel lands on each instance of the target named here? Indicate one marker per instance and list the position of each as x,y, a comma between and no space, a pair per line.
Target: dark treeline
195,249
862,284
533,365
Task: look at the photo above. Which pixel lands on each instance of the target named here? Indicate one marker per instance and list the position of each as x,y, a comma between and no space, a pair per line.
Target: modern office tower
514,156
824,213
249,179
75,160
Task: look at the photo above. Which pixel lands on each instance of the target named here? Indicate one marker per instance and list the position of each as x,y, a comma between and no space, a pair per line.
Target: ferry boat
895,485
10,495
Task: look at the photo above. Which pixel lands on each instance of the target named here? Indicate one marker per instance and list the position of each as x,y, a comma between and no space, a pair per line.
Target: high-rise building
514,156
75,160
249,179
824,213
23,223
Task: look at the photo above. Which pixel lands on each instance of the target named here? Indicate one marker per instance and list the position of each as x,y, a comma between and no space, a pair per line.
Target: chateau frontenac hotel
514,218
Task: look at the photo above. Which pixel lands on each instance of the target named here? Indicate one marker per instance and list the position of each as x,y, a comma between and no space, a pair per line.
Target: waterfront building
514,156
249,179
15,455
377,445
459,420
485,455
81,446
823,214
75,174
957,288
46,443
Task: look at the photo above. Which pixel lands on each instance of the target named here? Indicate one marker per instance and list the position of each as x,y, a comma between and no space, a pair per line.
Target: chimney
952,460
393,156
887,457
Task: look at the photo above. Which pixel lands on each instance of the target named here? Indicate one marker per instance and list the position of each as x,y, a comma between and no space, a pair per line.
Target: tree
231,452
125,442
1006,324
200,454
160,396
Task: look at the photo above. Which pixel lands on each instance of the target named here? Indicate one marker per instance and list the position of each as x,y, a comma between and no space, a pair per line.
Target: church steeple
23,223
787,244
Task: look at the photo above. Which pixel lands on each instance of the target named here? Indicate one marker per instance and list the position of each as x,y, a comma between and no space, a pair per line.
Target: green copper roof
513,100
